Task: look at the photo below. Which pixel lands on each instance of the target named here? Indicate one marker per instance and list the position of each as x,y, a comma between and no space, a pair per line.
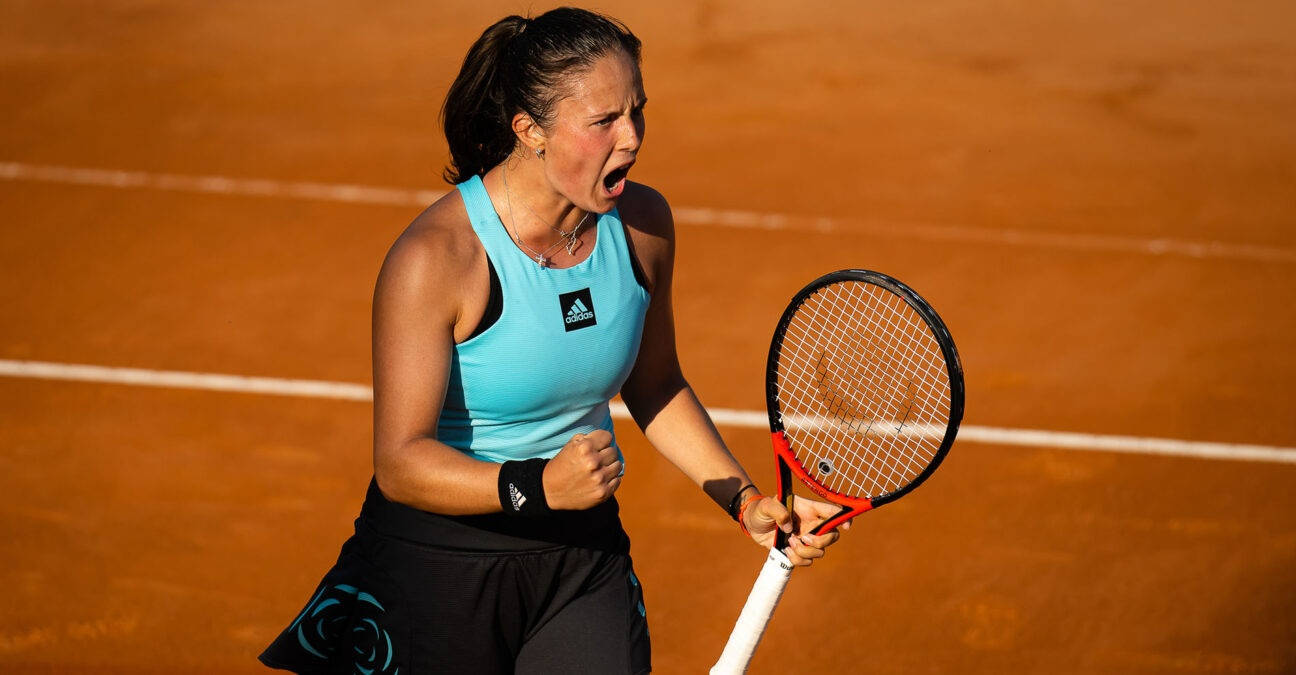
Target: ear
529,132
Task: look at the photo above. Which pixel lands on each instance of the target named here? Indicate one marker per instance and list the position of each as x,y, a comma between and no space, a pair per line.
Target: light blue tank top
564,343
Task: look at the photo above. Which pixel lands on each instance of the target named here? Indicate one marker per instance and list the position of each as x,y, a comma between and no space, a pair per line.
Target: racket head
864,391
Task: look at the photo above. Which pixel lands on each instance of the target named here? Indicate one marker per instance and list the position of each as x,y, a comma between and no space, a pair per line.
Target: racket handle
755,615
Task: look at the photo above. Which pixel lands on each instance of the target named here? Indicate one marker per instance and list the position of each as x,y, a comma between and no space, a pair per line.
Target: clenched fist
584,473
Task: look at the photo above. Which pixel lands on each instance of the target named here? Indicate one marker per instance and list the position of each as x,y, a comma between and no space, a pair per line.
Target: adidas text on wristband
521,488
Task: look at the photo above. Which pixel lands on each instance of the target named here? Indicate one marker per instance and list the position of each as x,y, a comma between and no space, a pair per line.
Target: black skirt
417,592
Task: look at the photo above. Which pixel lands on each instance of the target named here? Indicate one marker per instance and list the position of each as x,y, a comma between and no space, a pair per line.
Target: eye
606,121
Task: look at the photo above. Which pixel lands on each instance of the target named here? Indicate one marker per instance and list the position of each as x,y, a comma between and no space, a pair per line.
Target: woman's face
596,132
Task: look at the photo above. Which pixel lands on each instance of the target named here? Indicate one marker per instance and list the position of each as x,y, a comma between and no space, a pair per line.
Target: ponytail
476,114
517,65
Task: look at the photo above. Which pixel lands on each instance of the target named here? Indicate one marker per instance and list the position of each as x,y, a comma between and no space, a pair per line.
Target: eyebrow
605,113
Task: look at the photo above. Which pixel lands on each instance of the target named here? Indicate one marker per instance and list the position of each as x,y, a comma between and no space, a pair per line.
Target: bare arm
681,430
674,421
656,393
416,306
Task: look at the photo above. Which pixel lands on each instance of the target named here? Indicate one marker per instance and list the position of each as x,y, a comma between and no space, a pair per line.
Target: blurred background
1098,199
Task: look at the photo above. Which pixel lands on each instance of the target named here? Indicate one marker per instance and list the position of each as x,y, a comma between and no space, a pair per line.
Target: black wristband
733,503
521,488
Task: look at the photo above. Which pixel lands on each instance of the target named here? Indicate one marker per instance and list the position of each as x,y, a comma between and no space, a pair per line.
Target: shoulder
432,256
651,228
644,209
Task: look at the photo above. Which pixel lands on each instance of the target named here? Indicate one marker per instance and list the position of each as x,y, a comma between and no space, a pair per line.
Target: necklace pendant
542,261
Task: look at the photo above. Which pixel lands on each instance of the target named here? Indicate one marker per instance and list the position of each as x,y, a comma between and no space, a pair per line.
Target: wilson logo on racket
578,309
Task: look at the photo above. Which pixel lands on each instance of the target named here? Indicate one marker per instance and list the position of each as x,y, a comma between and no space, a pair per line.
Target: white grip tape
755,615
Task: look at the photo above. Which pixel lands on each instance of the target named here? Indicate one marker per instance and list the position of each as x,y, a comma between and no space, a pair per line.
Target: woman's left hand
768,515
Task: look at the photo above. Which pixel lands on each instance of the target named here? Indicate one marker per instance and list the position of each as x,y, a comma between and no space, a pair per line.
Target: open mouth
614,182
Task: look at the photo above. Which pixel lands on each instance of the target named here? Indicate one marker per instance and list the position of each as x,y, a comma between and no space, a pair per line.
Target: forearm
682,431
429,475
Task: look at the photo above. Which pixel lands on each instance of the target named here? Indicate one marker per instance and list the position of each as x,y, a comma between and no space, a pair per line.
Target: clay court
1099,200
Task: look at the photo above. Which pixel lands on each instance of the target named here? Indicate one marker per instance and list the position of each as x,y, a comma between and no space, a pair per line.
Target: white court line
723,417
79,372
252,187
391,196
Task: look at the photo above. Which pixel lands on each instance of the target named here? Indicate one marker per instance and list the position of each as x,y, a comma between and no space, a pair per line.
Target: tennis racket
865,394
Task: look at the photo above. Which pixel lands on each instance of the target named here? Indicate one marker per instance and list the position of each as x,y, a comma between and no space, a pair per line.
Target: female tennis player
505,318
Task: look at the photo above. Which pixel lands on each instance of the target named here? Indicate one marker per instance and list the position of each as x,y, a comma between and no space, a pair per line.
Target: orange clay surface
988,153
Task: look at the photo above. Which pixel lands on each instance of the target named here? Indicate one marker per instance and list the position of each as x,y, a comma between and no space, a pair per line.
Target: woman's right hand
584,474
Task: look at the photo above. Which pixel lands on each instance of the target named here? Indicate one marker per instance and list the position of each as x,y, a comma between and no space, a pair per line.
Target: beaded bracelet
733,503
742,523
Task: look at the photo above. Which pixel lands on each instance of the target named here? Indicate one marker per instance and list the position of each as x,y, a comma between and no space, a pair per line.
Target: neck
538,209
543,241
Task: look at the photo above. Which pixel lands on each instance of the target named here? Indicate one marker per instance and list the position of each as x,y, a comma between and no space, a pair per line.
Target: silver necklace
542,258
573,243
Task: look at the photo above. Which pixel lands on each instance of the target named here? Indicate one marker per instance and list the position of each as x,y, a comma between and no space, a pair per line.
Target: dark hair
518,64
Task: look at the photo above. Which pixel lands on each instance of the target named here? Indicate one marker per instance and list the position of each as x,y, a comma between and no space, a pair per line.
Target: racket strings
850,420
847,421
837,429
888,387
863,389
896,386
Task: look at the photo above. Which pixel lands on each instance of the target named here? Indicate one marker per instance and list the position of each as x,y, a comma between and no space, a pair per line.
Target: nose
631,133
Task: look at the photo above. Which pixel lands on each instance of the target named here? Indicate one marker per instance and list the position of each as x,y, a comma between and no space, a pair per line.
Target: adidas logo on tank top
577,308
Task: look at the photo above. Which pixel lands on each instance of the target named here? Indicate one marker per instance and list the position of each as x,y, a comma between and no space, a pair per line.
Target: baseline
752,419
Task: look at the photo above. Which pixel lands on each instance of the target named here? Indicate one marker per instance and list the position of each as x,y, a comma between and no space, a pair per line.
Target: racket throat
789,467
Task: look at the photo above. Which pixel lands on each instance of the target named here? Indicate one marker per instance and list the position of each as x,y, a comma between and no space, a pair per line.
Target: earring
540,153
